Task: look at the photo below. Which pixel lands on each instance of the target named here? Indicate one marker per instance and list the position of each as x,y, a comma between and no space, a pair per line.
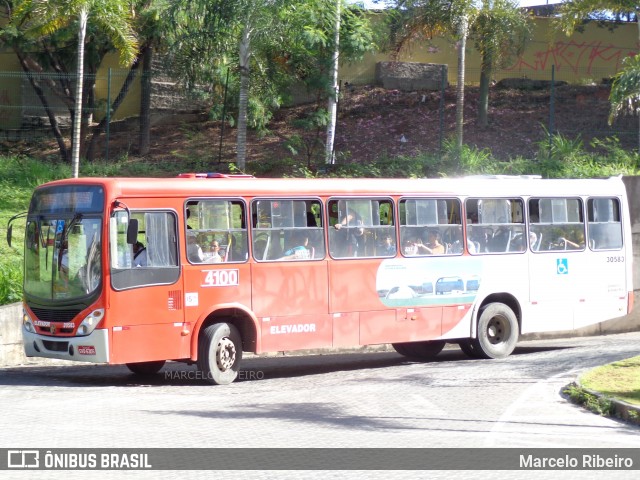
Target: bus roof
491,186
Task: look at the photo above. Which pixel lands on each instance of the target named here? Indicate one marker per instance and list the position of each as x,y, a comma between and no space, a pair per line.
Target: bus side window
556,224
216,231
605,225
431,226
361,227
495,225
284,229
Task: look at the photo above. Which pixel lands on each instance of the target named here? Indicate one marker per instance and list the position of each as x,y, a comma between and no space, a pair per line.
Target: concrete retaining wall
410,76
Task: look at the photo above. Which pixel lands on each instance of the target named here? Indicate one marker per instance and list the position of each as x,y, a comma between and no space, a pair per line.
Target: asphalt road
339,400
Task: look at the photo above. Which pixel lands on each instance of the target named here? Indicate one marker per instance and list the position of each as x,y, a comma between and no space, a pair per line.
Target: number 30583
615,259
220,278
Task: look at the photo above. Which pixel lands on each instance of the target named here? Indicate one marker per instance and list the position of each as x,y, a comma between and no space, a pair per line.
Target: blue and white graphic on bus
562,266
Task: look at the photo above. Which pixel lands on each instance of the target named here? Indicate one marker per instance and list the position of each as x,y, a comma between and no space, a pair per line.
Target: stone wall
410,76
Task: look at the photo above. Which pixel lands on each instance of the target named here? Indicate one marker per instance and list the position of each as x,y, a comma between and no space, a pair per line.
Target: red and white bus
204,267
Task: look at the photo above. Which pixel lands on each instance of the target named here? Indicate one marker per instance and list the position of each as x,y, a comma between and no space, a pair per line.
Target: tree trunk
243,101
145,102
462,44
53,121
77,117
332,107
483,97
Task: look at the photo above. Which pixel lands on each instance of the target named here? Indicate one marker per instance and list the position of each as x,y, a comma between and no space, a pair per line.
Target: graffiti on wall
577,57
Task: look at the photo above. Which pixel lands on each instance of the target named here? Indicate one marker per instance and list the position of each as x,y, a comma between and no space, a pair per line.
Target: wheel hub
225,354
495,331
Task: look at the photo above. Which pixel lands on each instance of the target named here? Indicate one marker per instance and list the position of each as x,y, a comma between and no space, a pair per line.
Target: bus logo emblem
562,266
52,329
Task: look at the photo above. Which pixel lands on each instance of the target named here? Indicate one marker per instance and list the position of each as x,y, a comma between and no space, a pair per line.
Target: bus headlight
27,323
90,322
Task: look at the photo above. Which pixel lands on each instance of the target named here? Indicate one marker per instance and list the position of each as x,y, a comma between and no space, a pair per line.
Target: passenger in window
389,247
194,251
213,255
300,251
353,227
432,246
139,255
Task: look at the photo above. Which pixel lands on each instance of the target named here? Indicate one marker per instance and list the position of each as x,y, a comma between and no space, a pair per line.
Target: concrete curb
623,410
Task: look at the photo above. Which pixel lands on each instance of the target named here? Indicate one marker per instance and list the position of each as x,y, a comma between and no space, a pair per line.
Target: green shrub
10,282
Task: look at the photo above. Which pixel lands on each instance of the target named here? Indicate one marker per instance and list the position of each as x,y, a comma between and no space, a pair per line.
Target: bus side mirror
132,231
10,225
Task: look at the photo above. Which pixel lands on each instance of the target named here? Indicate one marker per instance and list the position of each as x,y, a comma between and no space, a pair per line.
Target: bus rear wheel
420,350
146,368
497,332
220,353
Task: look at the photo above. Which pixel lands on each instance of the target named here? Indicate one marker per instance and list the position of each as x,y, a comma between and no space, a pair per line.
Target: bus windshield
63,243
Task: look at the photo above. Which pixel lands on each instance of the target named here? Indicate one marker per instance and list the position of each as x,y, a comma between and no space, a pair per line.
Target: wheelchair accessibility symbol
562,266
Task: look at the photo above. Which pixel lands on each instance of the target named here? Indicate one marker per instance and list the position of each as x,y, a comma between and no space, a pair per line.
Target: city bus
202,268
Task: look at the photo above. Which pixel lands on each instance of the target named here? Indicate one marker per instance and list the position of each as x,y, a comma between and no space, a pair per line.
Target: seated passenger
194,252
300,251
432,245
388,248
213,256
139,255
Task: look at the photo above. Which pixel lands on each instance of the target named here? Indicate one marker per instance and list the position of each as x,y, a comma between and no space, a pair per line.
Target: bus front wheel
146,368
497,332
219,353
467,347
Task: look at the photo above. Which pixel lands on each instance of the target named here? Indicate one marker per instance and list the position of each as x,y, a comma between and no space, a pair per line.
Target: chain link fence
570,101
34,108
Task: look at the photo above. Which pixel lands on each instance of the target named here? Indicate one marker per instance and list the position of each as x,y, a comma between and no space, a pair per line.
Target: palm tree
114,17
416,19
500,32
625,91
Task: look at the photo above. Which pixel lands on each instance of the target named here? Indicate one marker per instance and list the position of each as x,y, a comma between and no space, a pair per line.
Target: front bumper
92,348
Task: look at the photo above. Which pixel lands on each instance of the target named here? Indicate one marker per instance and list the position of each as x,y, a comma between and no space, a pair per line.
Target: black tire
219,353
146,368
426,350
497,332
468,348
401,348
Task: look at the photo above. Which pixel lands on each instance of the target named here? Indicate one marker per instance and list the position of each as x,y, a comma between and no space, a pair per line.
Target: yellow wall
10,93
595,54
131,104
17,98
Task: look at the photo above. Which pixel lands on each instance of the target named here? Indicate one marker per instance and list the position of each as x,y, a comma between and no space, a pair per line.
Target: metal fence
570,101
29,104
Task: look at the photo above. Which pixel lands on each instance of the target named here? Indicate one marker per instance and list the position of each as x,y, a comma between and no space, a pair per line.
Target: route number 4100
220,278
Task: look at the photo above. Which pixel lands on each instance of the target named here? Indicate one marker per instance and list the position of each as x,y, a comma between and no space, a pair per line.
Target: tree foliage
44,36
625,89
500,32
